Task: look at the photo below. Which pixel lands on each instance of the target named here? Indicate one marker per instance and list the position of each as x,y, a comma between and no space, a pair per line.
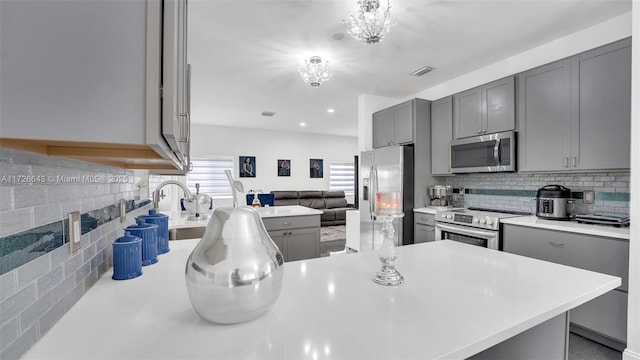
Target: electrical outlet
588,197
74,231
123,210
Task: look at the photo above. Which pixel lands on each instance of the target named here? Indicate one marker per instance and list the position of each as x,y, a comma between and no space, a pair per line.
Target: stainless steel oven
484,238
469,226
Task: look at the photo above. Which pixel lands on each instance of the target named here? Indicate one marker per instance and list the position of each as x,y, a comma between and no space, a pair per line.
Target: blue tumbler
127,257
163,228
149,235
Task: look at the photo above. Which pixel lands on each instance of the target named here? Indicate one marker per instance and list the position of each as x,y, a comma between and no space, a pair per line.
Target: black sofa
332,203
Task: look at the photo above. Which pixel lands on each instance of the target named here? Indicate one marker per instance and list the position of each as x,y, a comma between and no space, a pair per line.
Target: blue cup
127,257
163,229
149,235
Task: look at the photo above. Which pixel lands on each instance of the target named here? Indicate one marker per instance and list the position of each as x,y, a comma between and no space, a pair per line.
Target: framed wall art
315,168
247,166
284,167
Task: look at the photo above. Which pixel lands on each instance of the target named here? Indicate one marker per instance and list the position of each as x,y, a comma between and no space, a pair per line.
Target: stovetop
477,217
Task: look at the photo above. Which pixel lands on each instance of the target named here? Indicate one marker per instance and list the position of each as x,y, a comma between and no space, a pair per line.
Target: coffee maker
440,195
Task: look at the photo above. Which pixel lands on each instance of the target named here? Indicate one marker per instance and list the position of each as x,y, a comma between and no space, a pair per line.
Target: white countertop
179,219
432,209
457,301
571,226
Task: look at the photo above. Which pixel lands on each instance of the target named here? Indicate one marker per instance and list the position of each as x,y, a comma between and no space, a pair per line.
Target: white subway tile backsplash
8,285
13,221
8,333
46,214
31,314
31,271
17,303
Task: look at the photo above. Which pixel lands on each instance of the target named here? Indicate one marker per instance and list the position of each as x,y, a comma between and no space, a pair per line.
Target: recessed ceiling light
421,71
268,113
303,124
330,110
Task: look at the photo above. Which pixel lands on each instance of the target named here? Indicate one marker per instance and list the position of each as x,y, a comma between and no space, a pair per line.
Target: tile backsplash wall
517,192
35,192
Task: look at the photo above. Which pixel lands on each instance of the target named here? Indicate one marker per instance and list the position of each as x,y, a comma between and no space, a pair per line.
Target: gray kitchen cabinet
441,135
574,114
544,117
394,125
485,109
604,318
297,237
89,87
424,227
601,107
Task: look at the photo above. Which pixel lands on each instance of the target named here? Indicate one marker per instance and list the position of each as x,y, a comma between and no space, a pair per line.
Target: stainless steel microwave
485,153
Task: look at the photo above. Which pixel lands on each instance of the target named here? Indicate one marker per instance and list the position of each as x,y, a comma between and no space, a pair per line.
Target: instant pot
552,202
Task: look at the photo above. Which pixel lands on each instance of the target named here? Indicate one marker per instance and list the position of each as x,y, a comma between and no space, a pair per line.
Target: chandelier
371,24
315,72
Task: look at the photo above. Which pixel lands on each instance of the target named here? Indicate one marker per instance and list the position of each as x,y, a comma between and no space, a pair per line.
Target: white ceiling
245,54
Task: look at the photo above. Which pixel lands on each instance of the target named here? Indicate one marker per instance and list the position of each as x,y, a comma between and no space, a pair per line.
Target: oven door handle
487,235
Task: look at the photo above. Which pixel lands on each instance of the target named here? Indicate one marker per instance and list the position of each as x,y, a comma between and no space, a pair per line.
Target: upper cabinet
101,81
574,114
485,109
394,125
441,135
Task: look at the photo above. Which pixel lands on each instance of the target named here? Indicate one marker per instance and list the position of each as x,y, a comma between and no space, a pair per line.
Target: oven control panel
476,220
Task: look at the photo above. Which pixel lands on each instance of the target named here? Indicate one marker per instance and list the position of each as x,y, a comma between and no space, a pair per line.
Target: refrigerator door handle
373,187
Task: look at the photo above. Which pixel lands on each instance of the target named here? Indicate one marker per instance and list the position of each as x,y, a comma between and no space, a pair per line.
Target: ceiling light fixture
372,22
315,72
330,110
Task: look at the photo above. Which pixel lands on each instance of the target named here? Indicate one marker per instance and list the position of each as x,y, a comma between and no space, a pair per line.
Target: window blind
341,177
209,173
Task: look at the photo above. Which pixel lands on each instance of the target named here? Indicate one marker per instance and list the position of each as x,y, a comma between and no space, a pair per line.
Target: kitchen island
457,301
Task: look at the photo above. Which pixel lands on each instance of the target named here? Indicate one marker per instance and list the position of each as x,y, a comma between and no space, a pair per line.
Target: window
341,176
209,173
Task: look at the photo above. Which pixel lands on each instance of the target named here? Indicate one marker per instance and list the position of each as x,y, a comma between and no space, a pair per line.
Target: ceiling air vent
268,113
421,71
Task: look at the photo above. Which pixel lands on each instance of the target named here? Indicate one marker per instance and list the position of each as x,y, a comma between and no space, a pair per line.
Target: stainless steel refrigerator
394,167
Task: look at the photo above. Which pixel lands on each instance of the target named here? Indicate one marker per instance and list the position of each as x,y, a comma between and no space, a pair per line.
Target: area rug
332,233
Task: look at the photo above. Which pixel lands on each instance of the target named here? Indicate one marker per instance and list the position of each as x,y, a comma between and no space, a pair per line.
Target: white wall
600,34
269,146
633,317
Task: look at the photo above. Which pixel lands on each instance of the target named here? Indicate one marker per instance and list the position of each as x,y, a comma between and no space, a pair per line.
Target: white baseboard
630,355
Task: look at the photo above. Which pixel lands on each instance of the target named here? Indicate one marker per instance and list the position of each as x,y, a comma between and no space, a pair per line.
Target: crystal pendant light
315,72
371,24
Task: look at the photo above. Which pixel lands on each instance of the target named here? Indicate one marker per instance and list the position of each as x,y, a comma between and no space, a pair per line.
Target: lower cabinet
606,316
424,229
297,237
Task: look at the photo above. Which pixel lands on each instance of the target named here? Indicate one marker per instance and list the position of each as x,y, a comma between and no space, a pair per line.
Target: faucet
156,192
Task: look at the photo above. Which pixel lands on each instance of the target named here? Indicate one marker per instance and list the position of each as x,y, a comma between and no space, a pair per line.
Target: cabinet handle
284,223
479,131
574,161
556,244
186,125
566,162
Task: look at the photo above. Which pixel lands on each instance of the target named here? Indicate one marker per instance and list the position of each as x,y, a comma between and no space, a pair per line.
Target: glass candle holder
388,206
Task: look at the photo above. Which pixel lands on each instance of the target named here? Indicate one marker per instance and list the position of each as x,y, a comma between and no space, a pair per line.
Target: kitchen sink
186,233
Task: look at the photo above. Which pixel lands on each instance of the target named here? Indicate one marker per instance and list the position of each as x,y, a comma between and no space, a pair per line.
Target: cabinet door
424,233
545,117
498,108
467,113
403,123
303,244
278,237
174,74
382,128
602,107
606,314
441,135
